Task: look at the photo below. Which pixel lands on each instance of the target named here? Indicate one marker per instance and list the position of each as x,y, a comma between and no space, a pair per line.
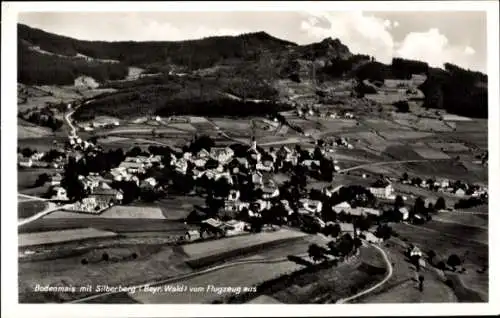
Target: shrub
105,257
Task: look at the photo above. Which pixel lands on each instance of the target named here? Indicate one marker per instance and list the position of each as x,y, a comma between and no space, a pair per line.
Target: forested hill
200,53
248,64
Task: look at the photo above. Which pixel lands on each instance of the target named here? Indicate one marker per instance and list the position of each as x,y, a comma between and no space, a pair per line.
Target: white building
382,190
313,206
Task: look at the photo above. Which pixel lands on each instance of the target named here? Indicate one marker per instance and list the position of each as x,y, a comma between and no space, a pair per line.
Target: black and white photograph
309,155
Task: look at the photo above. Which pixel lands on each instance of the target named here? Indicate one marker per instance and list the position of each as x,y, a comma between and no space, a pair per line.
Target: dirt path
369,290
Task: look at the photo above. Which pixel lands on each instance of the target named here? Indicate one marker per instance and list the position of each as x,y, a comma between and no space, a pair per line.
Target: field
383,124
152,262
31,131
449,146
245,275
450,199
29,208
429,153
119,225
469,219
52,237
26,177
404,134
446,239
115,212
206,249
402,287
327,285
451,117
179,207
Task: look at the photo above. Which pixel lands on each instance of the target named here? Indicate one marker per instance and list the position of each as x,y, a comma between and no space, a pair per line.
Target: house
27,163
150,182
132,167
181,166
404,213
243,162
60,194
234,195
192,235
257,178
85,82
460,192
415,251
286,205
107,196
225,175
344,206
370,211
328,191
310,163
234,227
261,205
203,153
270,192
313,206
199,162
265,166
382,189
223,156
372,238
56,179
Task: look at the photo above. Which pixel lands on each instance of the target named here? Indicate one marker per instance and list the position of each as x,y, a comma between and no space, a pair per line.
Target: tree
431,254
41,180
332,230
454,261
421,283
402,106
316,252
346,244
27,152
419,206
105,257
399,202
357,243
440,204
384,231
405,176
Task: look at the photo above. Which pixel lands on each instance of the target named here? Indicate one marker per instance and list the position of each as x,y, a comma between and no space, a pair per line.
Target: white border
10,308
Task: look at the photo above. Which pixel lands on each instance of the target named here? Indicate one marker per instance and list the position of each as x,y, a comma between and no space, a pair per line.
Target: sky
458,37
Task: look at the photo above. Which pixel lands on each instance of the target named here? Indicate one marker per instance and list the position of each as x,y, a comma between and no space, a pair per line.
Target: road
51,207
381,163
369,290
190,275
29,198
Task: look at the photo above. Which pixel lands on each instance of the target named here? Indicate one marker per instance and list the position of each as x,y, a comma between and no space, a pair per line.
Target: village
238,184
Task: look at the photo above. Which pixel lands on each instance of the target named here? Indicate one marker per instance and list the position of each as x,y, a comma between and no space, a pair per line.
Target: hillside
253,65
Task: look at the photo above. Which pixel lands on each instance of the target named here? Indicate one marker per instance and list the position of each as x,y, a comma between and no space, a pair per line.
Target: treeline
458,91
338,67
35,68
192,53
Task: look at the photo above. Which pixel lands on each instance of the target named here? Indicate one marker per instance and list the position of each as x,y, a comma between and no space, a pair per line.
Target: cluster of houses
101,195
315,112
457,188
36,161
